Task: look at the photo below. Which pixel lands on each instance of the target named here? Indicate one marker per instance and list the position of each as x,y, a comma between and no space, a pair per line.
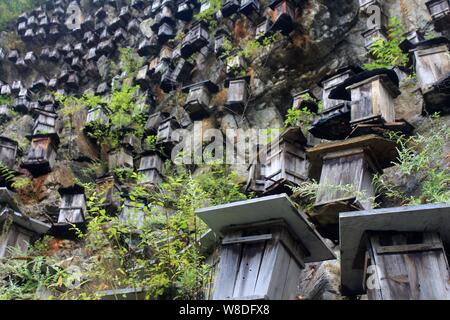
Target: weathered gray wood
423,218
411,275
8,152
120,158
431,65
247,276
72,209
373,98
227,270
262,210
258,238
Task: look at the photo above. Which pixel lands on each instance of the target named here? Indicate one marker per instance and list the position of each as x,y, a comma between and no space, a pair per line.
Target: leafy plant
208,15
11,9
6,100
421,156
387,52
299,117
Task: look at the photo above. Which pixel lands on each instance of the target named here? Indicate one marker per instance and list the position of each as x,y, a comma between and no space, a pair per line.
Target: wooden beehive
40,84
285,162
373,100
346,173
396,253
165,32
97,116
72,209
120,158
371,35
166,53
8,152
283,16
22,102
151,166
229,7
148,47
41,155
182,71
195,40
45,123
133,27
153,122
432,62
20,233
266,243
305,99
30,58
16,87
197,104
440,13
238,92
391,253
185,11
166,129
329,83
13,55
249,7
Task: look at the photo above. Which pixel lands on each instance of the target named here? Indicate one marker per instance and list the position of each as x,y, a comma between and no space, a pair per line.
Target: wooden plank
291,285
252,254
408,248
267,268
230,260
279,274
257,238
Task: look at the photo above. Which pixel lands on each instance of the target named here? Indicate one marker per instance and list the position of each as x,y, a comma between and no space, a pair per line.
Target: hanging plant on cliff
386,52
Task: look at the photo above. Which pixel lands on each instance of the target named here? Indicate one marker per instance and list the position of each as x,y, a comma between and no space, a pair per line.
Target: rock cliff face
75,45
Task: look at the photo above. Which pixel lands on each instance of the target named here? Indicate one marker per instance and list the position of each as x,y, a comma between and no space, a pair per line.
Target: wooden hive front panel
8,151
237,92
287,164
257,266
73,207
438,8
410,266
343,175
328,86
431,65
120,158
13,237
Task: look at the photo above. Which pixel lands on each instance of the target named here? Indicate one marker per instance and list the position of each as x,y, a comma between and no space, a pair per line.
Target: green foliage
421,156
6,100
209,14
11,9
21,183
127,111
162,255
299,117
6,173
306,193
248,49
130,62
387,53
25,272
